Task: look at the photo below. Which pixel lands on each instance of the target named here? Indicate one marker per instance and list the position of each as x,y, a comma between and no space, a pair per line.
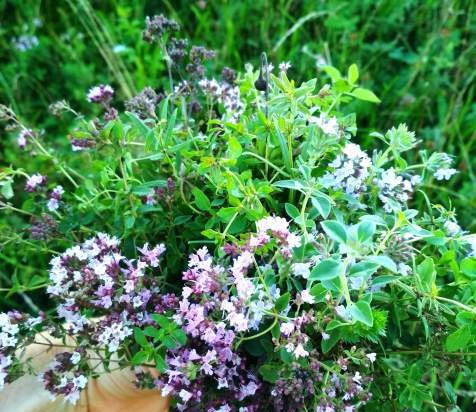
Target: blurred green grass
418,56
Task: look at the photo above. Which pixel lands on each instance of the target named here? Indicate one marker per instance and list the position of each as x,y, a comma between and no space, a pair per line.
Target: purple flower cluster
43,227
198,54
338,390
95,275
100,94
144,104
225,93
65,376
157,26
82,144
34,182
294,339
161,194
55,198
23,137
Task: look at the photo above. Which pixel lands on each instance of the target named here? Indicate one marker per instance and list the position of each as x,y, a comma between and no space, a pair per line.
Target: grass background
418,56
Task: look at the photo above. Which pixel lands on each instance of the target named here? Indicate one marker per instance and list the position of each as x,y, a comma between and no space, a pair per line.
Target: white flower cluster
444,171
394,190
350,171
452,227
113,335
284,66
8,332
5,362
25,42
327,124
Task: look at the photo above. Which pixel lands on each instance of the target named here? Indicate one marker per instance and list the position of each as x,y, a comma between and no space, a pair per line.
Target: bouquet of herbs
230,242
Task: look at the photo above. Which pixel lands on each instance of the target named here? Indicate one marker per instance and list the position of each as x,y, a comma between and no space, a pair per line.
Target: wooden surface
113,392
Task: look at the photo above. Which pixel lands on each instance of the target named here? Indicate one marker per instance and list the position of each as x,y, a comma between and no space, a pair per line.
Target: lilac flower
287,328
64,378
278,227
8,332
145,103
300,352
152,256
25,42
55,197
100,94
34,182
23,136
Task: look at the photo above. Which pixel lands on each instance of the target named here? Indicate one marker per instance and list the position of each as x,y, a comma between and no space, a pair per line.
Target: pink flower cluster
211,318
278,228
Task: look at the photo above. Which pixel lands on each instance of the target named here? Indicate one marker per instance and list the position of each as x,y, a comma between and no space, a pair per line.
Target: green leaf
161,320
282,302
334,324
459,339
322,205
140,338
283,144
427,275
139,358
292,210
384,261
362,312
152,332
365,94
365,231
335,230
6,189
363,268
160,363
333,73
201,199
226,213
353,73
325,270
269,372
234,147
169,342
319,292
180,336
468,267
289,184
328,344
